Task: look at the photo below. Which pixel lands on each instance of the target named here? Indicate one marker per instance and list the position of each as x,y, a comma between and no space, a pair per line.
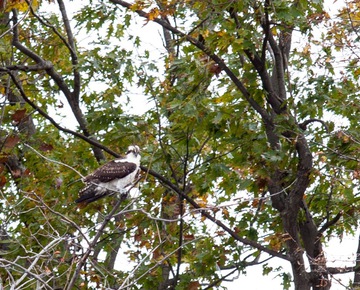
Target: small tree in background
249,141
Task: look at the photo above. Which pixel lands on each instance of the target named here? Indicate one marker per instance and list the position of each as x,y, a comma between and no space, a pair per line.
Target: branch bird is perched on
116,176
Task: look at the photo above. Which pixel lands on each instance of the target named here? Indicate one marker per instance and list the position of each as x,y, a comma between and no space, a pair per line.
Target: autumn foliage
246,113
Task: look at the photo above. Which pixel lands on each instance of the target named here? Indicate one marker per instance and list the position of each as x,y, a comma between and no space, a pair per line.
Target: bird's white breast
121,185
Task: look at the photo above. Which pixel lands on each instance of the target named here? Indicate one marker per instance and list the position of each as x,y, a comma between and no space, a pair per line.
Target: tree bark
356,284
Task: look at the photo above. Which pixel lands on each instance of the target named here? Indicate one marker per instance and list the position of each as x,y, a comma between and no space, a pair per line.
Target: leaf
154,13
20,5
46,147
194,285
2,180
4,157
11,141
18,115
189,237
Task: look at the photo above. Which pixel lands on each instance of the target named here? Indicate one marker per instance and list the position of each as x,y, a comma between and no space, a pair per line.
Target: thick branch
56,125
154,174
72,49
207,51
260,66
278,69
245,241
70,96
340,270
303,171
37,67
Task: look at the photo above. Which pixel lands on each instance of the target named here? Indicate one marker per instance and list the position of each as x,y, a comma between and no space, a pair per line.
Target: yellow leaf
20,5
306,49
225,212
154,13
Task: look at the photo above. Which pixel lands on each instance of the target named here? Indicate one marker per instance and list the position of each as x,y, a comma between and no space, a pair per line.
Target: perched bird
116,176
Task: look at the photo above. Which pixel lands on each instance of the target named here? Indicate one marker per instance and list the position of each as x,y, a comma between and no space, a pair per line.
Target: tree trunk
356,284
295,251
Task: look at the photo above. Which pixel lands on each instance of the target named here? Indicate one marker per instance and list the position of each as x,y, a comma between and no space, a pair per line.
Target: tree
243,157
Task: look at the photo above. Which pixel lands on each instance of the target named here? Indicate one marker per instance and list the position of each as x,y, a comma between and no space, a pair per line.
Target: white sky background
339,254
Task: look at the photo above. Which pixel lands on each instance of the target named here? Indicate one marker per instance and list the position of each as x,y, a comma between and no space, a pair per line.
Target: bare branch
4,264
74,58
85,256
38,256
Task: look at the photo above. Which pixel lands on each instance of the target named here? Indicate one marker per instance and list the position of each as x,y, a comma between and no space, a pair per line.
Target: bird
116,176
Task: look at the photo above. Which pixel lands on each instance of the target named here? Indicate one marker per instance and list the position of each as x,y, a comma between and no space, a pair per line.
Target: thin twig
16,24
159,263
32,265
85,256
139,264
25,270
54,161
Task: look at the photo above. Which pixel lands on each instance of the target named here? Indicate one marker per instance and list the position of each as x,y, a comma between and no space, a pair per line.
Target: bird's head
134,149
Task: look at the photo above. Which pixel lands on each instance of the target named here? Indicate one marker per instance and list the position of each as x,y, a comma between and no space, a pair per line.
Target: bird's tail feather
89,194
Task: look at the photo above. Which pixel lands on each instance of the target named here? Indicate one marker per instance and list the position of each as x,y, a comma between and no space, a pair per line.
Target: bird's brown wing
110,171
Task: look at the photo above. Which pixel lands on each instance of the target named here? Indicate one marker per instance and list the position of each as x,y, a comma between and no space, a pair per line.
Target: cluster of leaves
200,133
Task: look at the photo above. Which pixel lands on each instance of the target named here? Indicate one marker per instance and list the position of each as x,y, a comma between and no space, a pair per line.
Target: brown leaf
11,141
2,180
60,105
18,115
46,147
194,285
4,157
138,235
157,254
189,237
26,172
215,69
